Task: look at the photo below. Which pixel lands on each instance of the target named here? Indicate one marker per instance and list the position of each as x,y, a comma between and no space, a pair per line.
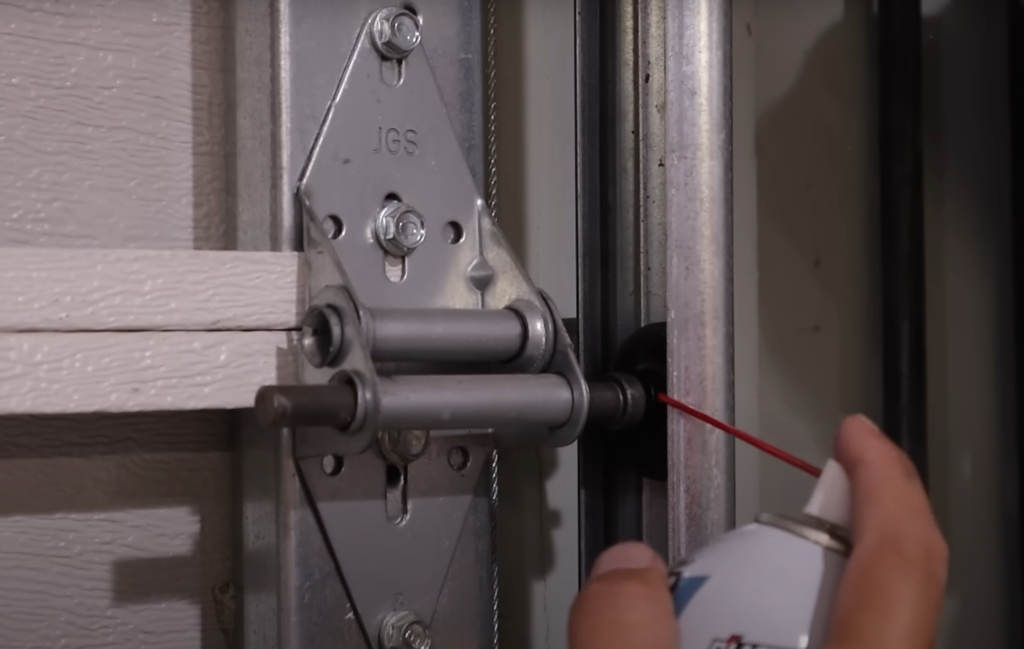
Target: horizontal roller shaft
468,402
478,335
455,403
307,405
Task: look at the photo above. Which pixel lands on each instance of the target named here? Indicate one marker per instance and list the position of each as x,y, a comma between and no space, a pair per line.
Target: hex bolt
322,335
400,229
396,32
404,630
404,446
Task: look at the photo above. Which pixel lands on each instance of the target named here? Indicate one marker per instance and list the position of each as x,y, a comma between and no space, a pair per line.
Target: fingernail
625,556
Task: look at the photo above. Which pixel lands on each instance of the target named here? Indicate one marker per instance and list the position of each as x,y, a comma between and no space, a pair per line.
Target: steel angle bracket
387,139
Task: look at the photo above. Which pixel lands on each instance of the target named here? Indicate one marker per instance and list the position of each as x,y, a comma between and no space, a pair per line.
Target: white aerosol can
770,584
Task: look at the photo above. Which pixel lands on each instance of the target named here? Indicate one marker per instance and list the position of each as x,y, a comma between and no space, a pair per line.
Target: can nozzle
830,500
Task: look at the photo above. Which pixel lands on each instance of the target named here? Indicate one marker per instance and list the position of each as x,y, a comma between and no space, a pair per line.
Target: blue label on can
684,590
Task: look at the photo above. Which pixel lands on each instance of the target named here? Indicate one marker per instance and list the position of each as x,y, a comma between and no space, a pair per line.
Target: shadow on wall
118,499
819,278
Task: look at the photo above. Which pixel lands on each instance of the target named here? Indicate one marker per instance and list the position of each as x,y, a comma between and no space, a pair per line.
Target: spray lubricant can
770,584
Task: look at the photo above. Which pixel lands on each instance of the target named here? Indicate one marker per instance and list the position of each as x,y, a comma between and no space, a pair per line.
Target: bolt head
400,229
404,630
396,32
414,442
404,446
410,230
416,636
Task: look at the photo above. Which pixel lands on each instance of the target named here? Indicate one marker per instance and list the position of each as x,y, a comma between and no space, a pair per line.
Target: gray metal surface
446,334
491,150
480,402
617,402
260,178
698,171
387,134
284,58
417,161
334,405
404,630
386,138
653,217
622,245
510,285
386,148
591,269
475,402
642,65
395,566
353,365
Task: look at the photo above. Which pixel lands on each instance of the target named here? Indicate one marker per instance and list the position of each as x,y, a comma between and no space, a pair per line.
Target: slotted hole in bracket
392,72
395,268
395,493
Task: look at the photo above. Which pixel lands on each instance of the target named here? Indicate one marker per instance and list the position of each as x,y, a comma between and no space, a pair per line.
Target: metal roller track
698,169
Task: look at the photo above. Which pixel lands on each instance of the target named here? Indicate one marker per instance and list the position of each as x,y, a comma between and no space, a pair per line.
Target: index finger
892,589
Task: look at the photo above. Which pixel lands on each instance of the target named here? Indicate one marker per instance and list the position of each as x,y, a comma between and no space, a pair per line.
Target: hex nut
404,446
404,630
396,32
400,229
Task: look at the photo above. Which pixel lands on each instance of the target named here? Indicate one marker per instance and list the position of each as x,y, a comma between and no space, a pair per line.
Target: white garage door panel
107,290
46,373
108,534
114,529
111,123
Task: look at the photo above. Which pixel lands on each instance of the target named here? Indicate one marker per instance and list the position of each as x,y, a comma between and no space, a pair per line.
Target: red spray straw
759,444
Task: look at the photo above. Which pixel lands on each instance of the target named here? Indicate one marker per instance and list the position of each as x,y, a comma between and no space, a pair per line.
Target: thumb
625,603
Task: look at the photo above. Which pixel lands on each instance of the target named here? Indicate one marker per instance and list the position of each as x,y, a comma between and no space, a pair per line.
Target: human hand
892,589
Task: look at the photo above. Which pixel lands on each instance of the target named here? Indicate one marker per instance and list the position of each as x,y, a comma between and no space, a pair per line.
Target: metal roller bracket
396,566
386,151
380,140
510,283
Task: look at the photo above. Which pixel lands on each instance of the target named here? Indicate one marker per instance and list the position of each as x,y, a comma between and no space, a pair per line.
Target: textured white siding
45,289
111,123
113,530
65,373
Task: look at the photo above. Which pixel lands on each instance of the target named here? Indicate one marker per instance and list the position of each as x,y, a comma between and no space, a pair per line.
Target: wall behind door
813,144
